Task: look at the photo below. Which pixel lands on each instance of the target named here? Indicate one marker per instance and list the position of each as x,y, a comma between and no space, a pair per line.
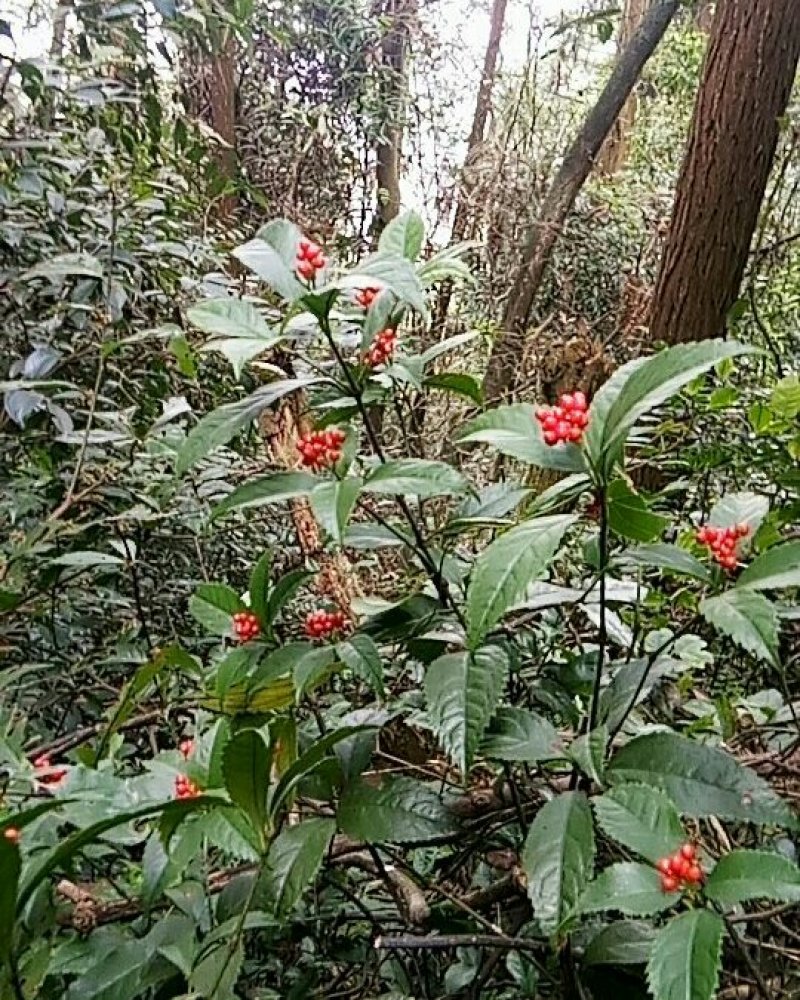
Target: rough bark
477,133
388,150
577,164
222,94
615,149
747,79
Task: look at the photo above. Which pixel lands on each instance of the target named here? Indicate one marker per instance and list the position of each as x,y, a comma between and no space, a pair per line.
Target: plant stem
602,632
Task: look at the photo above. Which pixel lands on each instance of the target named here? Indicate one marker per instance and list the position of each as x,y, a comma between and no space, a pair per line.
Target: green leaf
734,508
65,265
745,875
445,346
565,491
397,274
333,502
227,317
685,960
748,618
514,431
589,753
240,350
458,383
398,810
374,536
629,516
416,476
218,427
295,857
625,942
461,693
558,857
640,818
213,605
638,678
774,569
667,557
641,387
259,585
10,866
284,590
785,398
446,265
517,734
277,488
628,888
701,780
504,570
403,235
360,654
271,256
246,768
87,560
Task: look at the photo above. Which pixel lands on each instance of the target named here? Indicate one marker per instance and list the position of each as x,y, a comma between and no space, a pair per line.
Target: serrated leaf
641,818
748,618
461,693
685,960
629,888
639,387
517,734
362,656
558,857
218,427
403,235
245,767
505,569
417,477
514,431
277,488
629,516
242,699
398,810
625,942
589,752
668,557
333,502
295,857
774,569
746,875
701,780
637,678
213,604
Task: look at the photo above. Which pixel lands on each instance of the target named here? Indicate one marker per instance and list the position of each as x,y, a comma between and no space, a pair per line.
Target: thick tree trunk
747,80
578,161
477,133
388,151
615,149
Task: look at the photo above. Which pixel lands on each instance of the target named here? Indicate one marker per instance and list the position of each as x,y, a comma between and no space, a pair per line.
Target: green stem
602,632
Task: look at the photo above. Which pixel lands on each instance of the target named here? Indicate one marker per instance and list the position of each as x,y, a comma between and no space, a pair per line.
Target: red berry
669,884
664,865
12,834
688,851
694,874
246,625
42,762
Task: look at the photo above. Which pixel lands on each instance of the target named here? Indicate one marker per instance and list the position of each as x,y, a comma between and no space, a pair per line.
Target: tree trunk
393,67
222,94
483,103
703,15
508,347
615,149
747,80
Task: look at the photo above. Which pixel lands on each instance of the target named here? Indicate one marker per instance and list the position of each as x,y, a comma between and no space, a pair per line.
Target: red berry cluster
185,788
12,834
566,421
680,869
186,748
321,449
309,260
382,348
322,624
46,774
246,626
722,542
366,296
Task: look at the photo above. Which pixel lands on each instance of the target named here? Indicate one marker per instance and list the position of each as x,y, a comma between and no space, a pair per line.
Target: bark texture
507,350
222,92
748,74
615,149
